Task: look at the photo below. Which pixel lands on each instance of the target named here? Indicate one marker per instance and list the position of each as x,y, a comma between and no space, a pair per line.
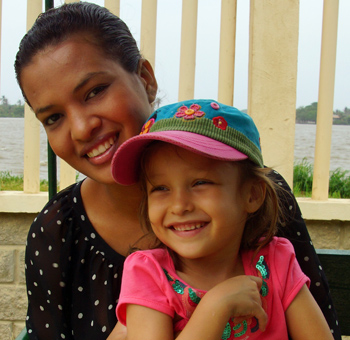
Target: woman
81,72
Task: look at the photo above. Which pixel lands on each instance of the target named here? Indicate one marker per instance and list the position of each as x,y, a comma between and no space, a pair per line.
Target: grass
11,182
339,181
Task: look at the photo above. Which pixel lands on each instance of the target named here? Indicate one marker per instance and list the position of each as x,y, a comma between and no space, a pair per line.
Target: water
11,146
304,146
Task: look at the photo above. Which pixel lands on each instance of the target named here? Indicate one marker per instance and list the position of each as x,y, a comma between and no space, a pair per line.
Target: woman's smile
97,151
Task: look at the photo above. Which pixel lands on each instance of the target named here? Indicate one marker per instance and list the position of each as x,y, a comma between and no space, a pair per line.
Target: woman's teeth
187,227
101,148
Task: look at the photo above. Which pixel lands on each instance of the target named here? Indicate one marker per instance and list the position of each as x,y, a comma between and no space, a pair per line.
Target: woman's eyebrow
86,79
43,109
83,82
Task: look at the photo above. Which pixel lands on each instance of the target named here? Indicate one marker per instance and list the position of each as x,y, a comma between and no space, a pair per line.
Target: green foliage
302,178
339,181
339,184
15,183
7,110
308,114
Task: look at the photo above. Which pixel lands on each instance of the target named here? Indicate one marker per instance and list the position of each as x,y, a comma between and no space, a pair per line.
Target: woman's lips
102,148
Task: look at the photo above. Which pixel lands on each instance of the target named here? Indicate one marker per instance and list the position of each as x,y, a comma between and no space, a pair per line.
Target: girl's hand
240,296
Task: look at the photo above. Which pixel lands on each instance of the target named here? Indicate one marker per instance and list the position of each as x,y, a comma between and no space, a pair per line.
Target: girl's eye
158,188
202,182
96,91
52,119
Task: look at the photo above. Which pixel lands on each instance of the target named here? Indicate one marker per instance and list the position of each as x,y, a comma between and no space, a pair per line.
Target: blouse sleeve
45,258
291,278
144,283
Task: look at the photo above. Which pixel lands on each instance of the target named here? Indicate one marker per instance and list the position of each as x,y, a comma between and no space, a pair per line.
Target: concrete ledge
19,202
332,209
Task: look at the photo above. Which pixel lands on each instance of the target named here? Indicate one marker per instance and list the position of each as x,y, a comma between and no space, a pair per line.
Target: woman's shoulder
64,203
63,213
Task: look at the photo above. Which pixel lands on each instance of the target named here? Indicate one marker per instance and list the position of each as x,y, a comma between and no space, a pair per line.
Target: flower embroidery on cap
215,106
220,122
146,127
190,113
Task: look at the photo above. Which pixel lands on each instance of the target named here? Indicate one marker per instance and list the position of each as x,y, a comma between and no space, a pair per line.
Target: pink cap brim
125,163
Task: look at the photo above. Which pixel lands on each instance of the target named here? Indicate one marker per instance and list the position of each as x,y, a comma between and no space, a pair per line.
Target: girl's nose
83,125
182,203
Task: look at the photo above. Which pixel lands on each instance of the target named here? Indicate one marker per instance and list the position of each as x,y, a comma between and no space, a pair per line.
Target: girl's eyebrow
82,83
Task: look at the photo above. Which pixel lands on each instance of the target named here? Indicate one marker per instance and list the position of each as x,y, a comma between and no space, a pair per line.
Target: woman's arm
235,297
305,319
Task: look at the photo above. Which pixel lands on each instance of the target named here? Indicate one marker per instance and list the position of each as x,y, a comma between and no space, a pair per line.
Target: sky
168,48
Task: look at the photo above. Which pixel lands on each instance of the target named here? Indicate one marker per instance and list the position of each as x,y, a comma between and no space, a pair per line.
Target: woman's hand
118,333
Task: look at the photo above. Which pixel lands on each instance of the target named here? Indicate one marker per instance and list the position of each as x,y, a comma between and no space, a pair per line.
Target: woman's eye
96,91
52,119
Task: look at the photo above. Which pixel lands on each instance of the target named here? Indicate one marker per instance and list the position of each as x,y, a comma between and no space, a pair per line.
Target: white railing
272,81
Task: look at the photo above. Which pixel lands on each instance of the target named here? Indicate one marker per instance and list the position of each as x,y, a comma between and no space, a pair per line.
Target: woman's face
87,103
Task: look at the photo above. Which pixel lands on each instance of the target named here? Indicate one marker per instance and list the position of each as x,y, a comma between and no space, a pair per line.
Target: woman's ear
256,195
145,71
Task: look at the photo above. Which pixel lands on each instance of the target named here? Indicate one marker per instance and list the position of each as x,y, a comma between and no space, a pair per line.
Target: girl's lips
188,229
187,226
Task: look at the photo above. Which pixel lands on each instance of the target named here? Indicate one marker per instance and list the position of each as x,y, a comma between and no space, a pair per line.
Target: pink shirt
150,280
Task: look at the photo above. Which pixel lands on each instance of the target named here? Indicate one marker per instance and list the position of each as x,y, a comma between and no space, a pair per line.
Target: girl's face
197,206
87,103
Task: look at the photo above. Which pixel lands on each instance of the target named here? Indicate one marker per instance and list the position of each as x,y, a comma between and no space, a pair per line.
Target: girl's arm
305,319
118,333
237,297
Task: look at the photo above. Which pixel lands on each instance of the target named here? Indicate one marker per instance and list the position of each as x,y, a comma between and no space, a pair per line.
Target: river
11,146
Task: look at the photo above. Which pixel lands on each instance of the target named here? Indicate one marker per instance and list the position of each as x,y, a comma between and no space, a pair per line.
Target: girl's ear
145,71
256,195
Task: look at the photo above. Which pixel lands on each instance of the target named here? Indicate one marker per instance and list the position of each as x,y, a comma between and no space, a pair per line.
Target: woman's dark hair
105,29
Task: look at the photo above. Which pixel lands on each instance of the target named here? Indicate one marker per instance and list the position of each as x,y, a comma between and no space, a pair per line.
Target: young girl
213,210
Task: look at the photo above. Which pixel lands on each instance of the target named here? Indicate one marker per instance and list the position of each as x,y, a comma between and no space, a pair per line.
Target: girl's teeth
185,228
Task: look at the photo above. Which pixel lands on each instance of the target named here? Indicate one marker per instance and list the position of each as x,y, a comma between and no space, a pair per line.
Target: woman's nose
83,125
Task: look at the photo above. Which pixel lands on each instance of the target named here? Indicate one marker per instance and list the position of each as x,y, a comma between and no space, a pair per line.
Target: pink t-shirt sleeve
290,276
144,283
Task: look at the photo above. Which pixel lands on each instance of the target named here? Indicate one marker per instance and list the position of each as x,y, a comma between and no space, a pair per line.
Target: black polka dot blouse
73,276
